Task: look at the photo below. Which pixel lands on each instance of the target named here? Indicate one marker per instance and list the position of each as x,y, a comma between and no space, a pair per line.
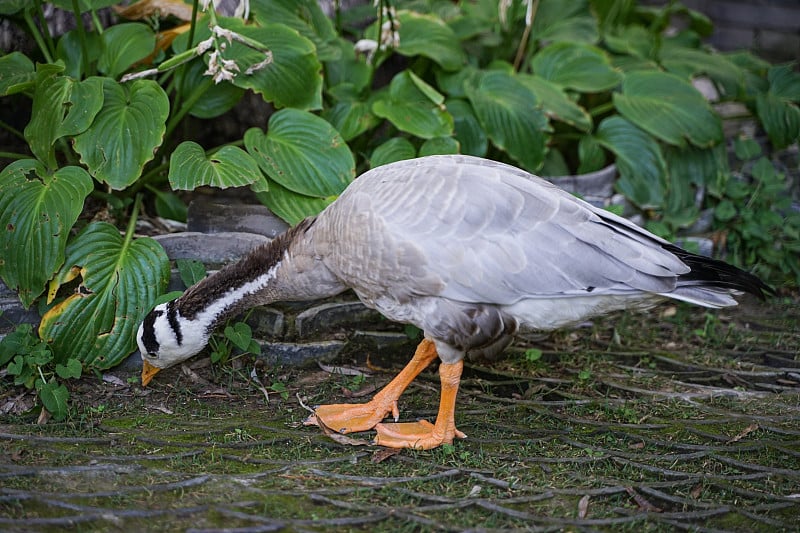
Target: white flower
502,8
223,75
219,31
219,68
205,3
242,10
366,46
204,46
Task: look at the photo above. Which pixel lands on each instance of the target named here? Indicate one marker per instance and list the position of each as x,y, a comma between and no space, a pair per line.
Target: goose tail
713,283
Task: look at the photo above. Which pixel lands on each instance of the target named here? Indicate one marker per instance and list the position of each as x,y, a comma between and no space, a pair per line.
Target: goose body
468,250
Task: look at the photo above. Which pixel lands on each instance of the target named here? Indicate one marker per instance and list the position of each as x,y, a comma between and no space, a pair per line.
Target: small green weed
32,364
236,335
279,388
533,355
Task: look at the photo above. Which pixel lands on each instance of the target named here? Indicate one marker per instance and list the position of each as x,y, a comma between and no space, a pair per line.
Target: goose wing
473,230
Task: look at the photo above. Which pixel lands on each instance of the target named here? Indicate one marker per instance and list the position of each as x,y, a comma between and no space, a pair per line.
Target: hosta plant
554,87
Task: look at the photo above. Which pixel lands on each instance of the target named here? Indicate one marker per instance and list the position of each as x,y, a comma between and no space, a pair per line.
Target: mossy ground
673,419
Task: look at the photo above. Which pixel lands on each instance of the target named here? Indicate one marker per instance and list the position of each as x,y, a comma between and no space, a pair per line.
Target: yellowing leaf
146,9
120,280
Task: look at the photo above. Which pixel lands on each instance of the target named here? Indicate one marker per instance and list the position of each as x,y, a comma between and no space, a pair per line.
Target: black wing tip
717,273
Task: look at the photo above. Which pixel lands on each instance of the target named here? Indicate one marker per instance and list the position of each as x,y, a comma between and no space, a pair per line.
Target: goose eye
152,355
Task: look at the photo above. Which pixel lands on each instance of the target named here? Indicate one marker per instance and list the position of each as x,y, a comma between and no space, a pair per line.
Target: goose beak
148,371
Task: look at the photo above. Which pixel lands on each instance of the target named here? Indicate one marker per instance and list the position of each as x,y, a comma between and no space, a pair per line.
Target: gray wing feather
477,231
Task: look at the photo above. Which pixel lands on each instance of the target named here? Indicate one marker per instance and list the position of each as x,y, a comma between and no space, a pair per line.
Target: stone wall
768,28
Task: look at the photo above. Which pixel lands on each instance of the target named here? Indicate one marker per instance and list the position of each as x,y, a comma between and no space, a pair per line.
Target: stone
597,188
299,355
212,248
329,317
210,216
267,322
13,314
386,343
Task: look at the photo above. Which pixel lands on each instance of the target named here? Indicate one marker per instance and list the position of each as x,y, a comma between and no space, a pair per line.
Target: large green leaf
9,7
439,146
591,156
576,66
468,130
61,107
632,39
37,210
777,108
556,103
690,167
557,20
784,82
291,73
291,206
626,64
17,73
70,50
754,70
415,107
125,132
348,69
119,281
351,118
689,62
395,149
641,166
427,35
669,108
303,153
124,45
304,16
511,116
190,167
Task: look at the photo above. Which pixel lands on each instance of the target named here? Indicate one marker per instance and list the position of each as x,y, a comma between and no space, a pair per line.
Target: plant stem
190,41
148,177
66,149
13,155
130,230
529,18
82,37
180,75
45,29
37,36
96,21
12,130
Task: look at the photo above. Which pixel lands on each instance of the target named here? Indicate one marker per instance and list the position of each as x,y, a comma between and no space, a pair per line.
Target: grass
671,428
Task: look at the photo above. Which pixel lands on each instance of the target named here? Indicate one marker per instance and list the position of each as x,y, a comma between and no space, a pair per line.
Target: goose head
165,339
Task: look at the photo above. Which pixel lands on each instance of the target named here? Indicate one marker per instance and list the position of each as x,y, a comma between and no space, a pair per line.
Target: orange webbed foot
420,435
350,418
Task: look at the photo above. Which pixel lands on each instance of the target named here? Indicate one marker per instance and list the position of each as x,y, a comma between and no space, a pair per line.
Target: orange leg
423,435
349,418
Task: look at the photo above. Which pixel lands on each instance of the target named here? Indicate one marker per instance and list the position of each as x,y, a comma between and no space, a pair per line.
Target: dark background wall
769,28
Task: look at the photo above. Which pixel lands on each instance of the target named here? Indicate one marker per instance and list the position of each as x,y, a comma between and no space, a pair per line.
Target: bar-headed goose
466,249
